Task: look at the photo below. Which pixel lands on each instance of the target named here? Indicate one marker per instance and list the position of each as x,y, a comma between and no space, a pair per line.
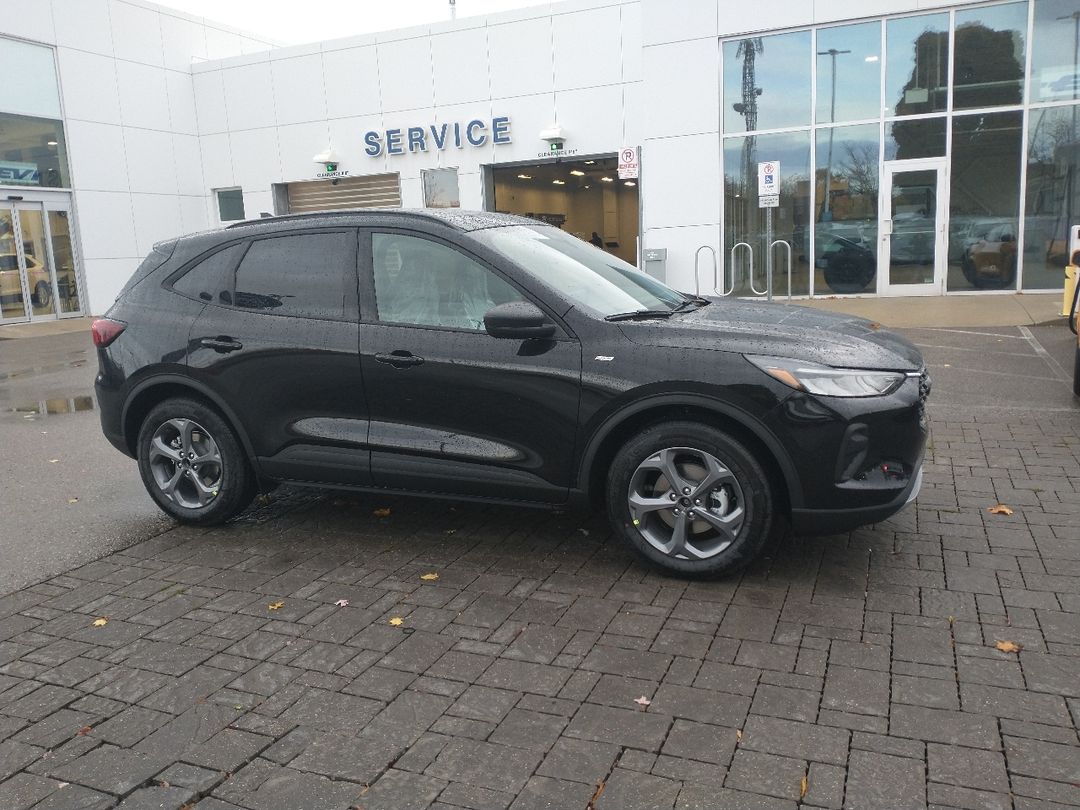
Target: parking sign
628,163
768,178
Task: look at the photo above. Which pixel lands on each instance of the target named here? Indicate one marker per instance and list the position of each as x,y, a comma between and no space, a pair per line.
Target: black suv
485,356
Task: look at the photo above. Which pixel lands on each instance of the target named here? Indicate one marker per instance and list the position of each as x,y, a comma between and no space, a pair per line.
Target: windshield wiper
693,301
639,313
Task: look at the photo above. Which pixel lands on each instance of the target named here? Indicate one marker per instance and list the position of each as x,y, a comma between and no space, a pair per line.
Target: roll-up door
368,191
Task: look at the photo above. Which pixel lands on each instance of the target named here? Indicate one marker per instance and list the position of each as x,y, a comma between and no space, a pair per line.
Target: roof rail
348,212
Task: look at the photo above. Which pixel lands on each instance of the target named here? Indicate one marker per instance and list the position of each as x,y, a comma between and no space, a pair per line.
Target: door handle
221,344
399,358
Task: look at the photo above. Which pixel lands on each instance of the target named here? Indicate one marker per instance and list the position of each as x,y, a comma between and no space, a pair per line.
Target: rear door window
309,275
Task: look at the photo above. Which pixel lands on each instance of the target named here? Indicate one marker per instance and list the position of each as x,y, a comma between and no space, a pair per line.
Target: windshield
592,278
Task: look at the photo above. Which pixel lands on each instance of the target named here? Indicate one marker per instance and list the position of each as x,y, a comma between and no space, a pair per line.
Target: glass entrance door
38,279
913,232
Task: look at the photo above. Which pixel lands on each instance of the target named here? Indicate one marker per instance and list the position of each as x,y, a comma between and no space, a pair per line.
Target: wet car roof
454,217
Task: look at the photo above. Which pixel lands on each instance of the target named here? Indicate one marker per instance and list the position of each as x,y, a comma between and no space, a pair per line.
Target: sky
316,20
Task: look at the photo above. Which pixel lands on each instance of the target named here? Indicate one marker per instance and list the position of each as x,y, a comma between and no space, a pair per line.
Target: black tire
42,296
235,484
755,489
847,276
1076,372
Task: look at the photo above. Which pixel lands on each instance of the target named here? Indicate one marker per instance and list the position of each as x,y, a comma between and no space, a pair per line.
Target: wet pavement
316,654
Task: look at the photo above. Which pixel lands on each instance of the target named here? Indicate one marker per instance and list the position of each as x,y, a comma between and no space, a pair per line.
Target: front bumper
835,521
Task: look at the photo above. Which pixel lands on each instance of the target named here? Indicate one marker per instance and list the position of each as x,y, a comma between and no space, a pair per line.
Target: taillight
105,331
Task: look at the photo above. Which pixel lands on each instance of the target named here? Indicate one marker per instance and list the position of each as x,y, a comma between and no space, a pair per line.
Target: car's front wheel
192,463
690,498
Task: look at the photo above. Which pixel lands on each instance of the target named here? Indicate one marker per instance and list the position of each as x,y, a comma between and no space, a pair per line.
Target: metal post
833,53
768,254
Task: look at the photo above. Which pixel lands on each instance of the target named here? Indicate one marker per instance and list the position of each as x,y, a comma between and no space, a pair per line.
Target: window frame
369,313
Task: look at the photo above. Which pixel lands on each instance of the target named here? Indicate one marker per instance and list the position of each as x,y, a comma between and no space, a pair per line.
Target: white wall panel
592,118
826,11
82,24
30,20
157,217
520,54
150,161
587,48
528,116
217,161
106,225
681,88
299,93
255,157
249,96
755,16
631,42
297,144
183,41
670,200
88,86
412,192
220,44
689,19
681,245
467,157
460,66
181,91
409,164
210,101
96,154
470,187
194,215
144,100
631,115
257,203
104,279
136,33
188,160
405,74
352,82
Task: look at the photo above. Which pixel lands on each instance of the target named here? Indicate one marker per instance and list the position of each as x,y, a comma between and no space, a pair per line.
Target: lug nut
675,511
673,496
690,515
686,491
697,501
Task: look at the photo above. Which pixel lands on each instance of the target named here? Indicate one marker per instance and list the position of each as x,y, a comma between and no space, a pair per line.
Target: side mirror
518,320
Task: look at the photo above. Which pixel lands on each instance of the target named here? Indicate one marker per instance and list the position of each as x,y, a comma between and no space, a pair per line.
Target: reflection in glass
11,291
35,251
766,82
988,69
845,240
917,68
848,72
66,283
913,211
1055,51
32,152
745,222
1053,193
984,201
917,138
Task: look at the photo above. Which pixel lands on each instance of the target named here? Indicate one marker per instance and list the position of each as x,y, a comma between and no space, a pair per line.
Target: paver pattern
846,672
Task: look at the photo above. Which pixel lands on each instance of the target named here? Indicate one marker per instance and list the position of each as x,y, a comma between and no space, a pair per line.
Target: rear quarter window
206,279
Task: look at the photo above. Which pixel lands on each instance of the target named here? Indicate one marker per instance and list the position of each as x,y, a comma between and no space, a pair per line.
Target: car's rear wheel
690,498
192,463
42,296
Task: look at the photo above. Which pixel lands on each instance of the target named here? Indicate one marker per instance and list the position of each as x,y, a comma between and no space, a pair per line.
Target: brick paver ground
855,671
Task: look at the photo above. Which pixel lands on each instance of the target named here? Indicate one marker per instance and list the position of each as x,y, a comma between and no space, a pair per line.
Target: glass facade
982,101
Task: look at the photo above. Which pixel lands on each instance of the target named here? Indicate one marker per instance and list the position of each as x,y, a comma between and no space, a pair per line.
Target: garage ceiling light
590,162
577,172
606,180
629,183
525,177
559,182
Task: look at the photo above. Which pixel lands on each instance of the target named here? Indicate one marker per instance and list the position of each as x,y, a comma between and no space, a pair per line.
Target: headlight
827,381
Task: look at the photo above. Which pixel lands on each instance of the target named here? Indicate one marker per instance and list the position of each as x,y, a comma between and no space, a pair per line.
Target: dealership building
882,147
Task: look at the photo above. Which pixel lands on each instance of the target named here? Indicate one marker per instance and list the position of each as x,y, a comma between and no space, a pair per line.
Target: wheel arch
148,393
620,426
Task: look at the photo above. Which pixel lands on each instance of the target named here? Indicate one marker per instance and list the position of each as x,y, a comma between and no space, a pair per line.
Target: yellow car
37,275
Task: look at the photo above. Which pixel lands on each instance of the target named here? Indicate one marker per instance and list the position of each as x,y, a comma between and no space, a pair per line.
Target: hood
782,330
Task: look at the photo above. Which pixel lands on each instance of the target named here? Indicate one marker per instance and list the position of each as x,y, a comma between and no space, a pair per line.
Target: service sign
19,174
628,163
768,178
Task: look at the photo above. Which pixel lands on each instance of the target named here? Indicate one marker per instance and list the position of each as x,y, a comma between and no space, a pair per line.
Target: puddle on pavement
52,407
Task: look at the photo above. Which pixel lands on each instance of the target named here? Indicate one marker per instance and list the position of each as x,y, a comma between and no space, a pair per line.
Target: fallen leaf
599,792
397,621
1009,646
101,622
62,785
73,500
738,735
82,732
642,701
1000,509
584,532
429,577
276,605
53,460
875,326
804,786
342,603
381,513
238,707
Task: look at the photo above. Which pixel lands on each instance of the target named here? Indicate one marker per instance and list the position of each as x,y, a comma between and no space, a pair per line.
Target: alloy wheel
186,463
686,503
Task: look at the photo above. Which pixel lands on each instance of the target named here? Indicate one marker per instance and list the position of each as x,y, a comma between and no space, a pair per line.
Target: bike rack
697,268
787,246
735,267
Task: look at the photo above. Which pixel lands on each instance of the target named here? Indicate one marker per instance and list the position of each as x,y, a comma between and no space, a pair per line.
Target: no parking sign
628,163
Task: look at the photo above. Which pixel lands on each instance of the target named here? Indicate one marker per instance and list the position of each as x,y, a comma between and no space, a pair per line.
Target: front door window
912,234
